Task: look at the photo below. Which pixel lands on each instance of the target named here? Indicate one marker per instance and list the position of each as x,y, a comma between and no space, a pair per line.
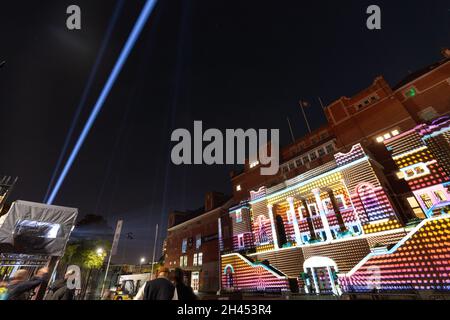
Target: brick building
192,243
339,193
369,117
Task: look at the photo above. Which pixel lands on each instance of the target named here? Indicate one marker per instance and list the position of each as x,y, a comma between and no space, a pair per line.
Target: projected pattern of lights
241,274
362,203
422,155
137,29
420,262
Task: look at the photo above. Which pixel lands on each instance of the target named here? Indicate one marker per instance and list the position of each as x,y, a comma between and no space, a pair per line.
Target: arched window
229,280
369,200
262,233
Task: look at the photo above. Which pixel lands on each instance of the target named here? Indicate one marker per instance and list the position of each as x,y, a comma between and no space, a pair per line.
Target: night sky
231,64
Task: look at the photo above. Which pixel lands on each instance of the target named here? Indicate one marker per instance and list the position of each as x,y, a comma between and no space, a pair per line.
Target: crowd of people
20,287
167,286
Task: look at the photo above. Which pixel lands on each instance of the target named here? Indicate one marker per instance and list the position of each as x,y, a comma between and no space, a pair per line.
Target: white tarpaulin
35,228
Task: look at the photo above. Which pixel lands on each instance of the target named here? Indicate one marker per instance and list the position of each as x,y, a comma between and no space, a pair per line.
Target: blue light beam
129,45
86,92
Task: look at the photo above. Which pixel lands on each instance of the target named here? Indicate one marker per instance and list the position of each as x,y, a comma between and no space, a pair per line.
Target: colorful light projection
422,155
421,261
244,275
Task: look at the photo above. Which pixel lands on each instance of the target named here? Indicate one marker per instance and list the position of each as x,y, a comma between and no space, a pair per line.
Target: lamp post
141,263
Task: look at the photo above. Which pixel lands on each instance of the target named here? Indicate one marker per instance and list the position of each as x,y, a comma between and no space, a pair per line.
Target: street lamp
140,265
100,252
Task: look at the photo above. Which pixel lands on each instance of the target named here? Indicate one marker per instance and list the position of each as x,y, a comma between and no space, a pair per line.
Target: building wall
207,227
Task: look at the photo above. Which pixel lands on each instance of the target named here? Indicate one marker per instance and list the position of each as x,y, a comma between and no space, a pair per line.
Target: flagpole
304,116
154,250
321,103
290,129
111,253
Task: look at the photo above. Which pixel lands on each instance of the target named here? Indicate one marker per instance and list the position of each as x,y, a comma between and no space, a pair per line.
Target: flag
116,237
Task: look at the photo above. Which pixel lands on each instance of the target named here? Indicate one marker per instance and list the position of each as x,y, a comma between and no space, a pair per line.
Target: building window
415,207
426,200
313,209
262,234
417,171
302,212
185,261
327,205
428,114
238,216
440,195
321,152
198,241
184,246
298,162
200,259
340,201
238,188
291,166
254,164
241,242
305,159
181,261
329,148
400,175
387,135
194,262
313,156
285,169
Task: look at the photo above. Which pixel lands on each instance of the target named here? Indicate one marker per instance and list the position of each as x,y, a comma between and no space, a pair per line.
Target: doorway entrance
321,276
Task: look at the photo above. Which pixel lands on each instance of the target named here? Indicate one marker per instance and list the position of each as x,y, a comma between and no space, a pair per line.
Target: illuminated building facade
298,235
192,242
423,159
359,204
334,230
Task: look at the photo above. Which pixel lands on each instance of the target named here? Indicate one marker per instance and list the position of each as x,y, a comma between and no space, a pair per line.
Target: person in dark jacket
184,292
59,290
20,289
161,288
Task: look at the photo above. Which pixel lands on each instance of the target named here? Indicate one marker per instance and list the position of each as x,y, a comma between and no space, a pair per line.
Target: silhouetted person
20,288
183,291
158,289
59,290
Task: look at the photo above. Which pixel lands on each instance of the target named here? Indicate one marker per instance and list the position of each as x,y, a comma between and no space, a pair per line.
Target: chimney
214,200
